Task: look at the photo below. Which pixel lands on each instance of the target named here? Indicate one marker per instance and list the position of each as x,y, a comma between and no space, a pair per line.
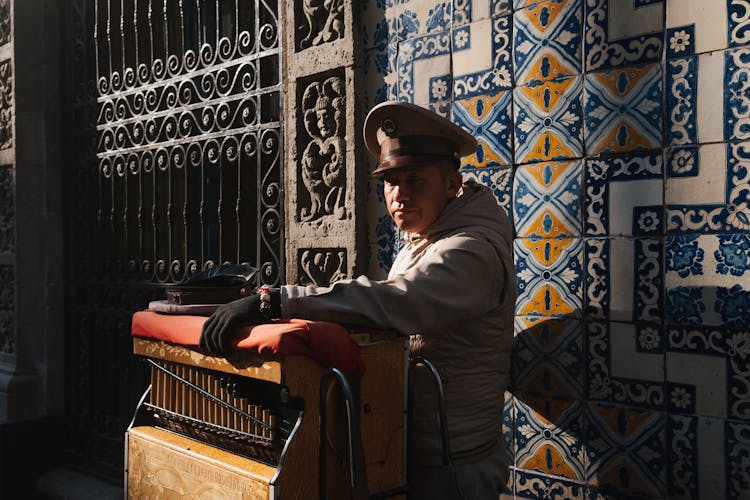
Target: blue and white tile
681,103
549,437
469,11
488,119
624,196
380,75
623,109
707,280
509,424
379,22
420,17
708,371
482,57
736,87
626,449
547,200
424,72
531,485
625,363
621,33
698,26
547,41
708,457
708,189
548,277
624,279
548,358
548,121
498,179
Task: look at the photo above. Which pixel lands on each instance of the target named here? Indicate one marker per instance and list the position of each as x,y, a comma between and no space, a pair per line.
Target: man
451,288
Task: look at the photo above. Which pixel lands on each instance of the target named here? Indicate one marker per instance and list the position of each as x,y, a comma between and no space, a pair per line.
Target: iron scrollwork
321,266
324,22
322,168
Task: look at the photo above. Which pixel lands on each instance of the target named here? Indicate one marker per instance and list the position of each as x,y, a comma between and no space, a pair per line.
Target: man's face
415,196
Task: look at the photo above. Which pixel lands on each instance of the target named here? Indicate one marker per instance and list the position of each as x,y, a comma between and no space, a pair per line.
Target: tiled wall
613,132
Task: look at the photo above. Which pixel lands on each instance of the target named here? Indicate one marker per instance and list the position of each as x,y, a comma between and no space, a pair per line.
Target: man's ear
454,181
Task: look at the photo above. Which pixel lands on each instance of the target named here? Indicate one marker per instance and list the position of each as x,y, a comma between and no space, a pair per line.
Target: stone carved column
325,178
7,190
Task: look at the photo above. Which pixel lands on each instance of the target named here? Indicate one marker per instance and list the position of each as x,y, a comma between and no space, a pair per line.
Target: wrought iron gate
177,149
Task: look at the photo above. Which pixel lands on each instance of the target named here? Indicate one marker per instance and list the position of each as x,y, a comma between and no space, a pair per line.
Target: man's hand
226,321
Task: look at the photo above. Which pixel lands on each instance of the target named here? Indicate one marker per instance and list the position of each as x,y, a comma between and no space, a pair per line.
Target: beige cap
401,134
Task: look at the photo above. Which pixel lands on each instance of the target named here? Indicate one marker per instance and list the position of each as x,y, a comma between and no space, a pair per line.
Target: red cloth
327,343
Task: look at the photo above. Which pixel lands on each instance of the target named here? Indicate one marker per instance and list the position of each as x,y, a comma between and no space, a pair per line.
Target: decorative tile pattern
7,309
716,197
429,58
530,485
627,451
623,110
697,26
624,279
481,58
681,100
546,200
710,371
548,277
487,118
548,123
379,23
708,457
7,210
418,17
380,76
509,425
549,437
622,33
467,11
737,449
626,364
547,359
547,42
737,95
623,196
706,280
383,233
498,179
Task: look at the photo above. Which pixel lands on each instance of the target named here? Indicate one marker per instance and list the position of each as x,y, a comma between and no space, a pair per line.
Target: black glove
226,321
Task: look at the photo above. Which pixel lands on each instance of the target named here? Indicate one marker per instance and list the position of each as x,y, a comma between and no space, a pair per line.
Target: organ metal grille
176,141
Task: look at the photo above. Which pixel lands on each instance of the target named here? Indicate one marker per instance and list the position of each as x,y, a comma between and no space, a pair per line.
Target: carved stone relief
7,211
7,310
322,168
6,105
321,21
321,266
4,21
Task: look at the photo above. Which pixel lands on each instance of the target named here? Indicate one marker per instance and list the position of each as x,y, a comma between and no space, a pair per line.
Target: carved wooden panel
7,210
318,22
6,105
7,310
321,266
322,166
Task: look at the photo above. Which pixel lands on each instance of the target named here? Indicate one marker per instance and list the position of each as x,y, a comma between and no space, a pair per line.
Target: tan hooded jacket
452,289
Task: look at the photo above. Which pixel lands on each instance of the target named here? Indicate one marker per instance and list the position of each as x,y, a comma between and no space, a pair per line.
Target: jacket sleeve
460,278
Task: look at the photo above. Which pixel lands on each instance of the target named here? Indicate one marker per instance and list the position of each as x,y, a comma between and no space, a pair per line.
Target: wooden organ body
249,427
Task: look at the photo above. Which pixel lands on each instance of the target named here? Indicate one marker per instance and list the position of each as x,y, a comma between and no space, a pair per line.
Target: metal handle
439,394
357,479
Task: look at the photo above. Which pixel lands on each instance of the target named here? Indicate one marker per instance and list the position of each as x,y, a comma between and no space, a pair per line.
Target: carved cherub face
326,121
